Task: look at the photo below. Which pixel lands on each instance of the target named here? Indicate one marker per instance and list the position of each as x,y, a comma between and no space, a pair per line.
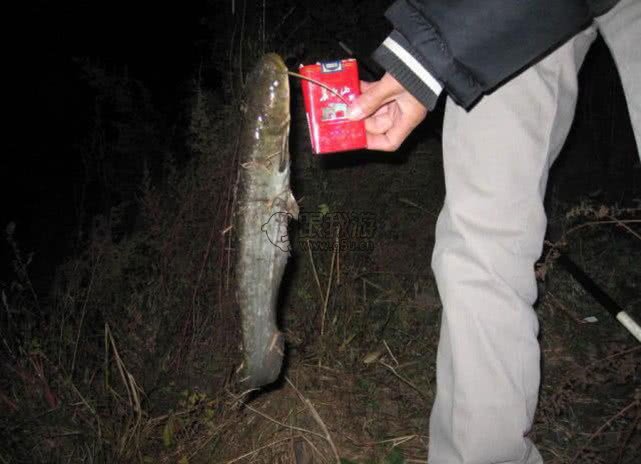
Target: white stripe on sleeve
630,324
413,64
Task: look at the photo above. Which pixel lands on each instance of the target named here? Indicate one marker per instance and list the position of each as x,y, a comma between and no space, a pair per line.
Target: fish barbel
264,205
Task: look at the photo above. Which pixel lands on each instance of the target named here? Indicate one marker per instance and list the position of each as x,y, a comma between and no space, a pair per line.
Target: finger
382,110
390,140
382,142
383,118
373,98
378,142
378,124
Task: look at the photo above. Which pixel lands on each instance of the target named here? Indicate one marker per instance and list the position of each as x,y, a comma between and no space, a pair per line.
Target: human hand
390,113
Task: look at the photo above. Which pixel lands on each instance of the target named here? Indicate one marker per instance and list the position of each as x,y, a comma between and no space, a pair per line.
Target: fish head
267,110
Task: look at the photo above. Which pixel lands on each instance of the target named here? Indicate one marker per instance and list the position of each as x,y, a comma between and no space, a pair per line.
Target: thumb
372,98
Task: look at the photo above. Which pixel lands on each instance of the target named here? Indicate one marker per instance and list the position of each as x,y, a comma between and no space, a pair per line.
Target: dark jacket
470,47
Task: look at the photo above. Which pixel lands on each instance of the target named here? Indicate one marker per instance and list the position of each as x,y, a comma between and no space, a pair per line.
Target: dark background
96,94
67,102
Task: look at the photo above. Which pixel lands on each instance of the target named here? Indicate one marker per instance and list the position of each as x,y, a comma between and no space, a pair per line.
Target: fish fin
292,206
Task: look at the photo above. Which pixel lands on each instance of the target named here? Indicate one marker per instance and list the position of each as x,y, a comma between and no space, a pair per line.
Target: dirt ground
369,368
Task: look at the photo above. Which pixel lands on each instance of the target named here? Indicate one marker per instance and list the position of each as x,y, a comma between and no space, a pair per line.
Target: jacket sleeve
470,47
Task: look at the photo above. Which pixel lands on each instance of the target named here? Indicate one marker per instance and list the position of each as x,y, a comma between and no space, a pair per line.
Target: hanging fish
264,206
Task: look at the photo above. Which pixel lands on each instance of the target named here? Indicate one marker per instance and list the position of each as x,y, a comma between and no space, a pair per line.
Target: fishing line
314,81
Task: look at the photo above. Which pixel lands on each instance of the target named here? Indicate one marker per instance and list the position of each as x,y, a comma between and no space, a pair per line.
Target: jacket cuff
400,59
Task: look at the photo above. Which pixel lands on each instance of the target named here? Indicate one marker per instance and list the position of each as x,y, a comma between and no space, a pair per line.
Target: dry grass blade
276,421
404,380
314,448
258,450
634,403
624,224
619,222
571,314
127,379
311,261
131,386
82,317
612,356
329,283
318,420
390,353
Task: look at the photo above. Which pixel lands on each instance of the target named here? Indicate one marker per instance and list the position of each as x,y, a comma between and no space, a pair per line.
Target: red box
329,129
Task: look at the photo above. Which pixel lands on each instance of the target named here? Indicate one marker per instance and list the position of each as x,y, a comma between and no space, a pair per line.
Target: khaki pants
490,233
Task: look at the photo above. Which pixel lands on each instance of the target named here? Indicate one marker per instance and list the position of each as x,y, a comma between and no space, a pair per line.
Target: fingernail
354,112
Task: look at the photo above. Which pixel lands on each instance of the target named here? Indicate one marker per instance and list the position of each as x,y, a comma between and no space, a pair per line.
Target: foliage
131,320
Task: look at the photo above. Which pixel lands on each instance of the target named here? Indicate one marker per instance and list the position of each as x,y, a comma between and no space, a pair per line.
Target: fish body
264,206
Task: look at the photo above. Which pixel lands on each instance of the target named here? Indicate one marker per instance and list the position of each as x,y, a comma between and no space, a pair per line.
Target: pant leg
488,236
621,30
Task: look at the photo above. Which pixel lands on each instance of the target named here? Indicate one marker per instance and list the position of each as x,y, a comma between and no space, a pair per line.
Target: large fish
264,205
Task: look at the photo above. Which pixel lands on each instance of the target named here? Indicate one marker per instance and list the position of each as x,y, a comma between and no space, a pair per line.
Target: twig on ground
276,421
212,234
338,257
625,441
313,447
624,224
620,222
82,317
416,205
390,353
317,418
133,390
311,260
607,423
612,356
257,450
403,379
571,314
372,284
329,284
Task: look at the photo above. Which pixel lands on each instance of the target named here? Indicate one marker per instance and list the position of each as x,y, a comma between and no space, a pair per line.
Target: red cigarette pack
329,129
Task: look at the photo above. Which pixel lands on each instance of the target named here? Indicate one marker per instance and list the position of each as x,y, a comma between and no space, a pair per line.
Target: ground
371,374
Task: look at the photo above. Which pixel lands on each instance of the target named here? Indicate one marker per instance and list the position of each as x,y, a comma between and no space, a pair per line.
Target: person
510,72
